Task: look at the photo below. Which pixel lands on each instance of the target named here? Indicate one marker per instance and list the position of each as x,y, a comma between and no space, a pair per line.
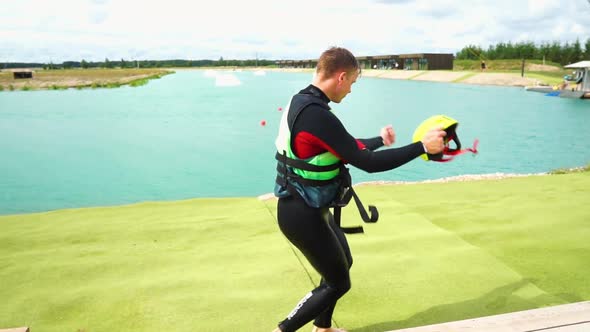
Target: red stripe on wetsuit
317,130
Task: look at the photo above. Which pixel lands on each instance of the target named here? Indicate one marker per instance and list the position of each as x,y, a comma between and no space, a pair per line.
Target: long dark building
416,61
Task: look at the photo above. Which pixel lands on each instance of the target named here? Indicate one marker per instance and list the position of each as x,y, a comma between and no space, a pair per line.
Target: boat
540,88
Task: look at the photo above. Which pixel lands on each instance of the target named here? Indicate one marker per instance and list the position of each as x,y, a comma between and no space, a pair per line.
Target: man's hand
433,140
388,135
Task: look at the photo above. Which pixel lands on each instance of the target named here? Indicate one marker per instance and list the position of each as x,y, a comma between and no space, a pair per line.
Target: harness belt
345,191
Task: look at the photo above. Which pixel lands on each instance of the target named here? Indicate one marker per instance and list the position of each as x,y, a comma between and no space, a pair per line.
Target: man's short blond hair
335,59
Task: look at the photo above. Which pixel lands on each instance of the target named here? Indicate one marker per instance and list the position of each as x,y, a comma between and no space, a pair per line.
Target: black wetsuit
313,230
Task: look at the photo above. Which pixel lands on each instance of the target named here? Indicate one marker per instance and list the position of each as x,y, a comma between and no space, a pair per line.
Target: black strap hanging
372,218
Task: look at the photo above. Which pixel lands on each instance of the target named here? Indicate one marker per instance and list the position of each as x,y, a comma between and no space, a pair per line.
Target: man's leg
309,230
325,318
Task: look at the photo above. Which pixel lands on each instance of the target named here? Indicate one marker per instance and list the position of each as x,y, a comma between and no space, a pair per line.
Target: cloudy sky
62,30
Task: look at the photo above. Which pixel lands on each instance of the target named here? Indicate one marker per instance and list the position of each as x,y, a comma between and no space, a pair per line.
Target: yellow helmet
449,125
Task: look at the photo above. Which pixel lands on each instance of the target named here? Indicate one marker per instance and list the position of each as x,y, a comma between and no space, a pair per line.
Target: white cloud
60,30
540,7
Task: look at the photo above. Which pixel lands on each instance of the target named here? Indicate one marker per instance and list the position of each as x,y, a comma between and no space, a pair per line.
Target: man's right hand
433,140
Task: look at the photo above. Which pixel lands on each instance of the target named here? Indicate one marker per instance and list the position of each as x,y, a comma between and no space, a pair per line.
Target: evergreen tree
526,50
501,51
492,52
544,51
555,52
566,54
577,53
470,52
510,52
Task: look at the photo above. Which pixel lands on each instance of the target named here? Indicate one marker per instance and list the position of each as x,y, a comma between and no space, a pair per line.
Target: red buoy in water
263,123
280,109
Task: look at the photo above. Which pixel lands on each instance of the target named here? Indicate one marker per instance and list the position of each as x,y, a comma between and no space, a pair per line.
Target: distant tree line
142,64
551,51
9,65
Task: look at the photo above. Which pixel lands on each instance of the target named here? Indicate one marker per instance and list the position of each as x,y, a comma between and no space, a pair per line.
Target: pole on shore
522,69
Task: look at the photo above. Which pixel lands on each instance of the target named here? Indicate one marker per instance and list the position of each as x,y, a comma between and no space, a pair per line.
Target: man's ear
341,77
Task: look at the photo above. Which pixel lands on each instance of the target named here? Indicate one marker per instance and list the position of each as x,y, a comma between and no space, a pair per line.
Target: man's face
345,82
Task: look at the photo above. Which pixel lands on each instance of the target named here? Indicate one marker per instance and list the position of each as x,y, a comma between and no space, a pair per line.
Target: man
312,147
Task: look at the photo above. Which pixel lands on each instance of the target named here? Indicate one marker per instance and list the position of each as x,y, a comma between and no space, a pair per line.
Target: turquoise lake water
184,136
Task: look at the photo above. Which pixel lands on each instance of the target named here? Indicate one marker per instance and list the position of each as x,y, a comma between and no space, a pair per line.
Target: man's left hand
388,135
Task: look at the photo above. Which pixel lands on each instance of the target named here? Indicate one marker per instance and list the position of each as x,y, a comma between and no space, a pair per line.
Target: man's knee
341,287
346,286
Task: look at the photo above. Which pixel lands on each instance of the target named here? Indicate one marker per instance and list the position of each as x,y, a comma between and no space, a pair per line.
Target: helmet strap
457,151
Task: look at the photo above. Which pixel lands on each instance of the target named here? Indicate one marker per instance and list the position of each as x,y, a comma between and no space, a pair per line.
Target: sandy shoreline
445,76
79,78
467,77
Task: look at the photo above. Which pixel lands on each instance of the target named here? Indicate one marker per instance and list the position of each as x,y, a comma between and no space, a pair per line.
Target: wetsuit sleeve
331,135
372,143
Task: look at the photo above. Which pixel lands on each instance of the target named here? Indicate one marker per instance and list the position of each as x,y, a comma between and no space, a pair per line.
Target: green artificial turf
439,252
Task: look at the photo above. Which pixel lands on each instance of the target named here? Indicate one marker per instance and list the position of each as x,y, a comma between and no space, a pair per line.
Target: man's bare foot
277,330
327,329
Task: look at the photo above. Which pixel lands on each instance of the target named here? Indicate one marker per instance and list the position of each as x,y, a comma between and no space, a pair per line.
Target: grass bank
547,72
440,252
506,65
80,78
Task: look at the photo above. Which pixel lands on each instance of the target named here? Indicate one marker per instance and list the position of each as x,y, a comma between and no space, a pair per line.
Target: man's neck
323,85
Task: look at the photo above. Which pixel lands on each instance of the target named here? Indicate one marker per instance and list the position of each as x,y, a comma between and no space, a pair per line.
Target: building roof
581,64
422,55
377,57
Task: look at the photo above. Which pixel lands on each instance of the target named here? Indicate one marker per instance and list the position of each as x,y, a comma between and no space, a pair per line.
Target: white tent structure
581,78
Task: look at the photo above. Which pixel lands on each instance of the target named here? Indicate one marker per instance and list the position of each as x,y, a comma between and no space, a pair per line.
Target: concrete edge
550,319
